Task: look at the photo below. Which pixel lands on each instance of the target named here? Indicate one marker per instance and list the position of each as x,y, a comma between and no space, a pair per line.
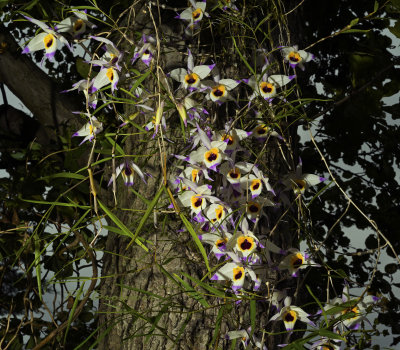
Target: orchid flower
353,309
295,261
229,4
219,88
234,172
254,207
217,212
87,88
47,40
266,86
145,50
261,132
300,182
193,108
104,77
127,169
325,344
217,241
236,271
276,298
296,57
289,314
211,154
75,24
231,137
255,183
190,78
243,244
89,130
111,58
194,13
196,198
244,336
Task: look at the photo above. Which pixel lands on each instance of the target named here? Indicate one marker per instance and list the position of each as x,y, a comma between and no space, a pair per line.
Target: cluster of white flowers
224,188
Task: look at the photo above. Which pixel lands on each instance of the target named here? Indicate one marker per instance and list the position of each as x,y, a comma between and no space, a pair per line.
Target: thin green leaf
116,145
319,303
243,59
37,264
72,312
63,175
144,200
351,30
189,227
212,290
253,313
124,229
217,326
139,81
192,292
61,204
147,213
156,319
329,334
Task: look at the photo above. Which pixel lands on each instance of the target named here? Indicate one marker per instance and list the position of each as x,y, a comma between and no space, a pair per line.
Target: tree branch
32,86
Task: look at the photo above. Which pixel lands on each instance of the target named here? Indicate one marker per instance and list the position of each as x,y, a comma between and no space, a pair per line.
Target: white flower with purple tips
191,77
296,57
89,130
44,41
266,86
295,261
128,169
219,89
194,13
235,271
145,50
289,314
75,24
112,56
300,182
104,77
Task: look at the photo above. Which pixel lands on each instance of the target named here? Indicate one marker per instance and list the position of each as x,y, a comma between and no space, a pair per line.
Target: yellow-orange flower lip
255,185
219,212
78,25
191,79
290,316
245,243
238,273
229,138
211,154
221,242
294,57
297,260
196,14
267,88
48,41
218,91
299,185
253,207
234,173
194,175
197,201
110,74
